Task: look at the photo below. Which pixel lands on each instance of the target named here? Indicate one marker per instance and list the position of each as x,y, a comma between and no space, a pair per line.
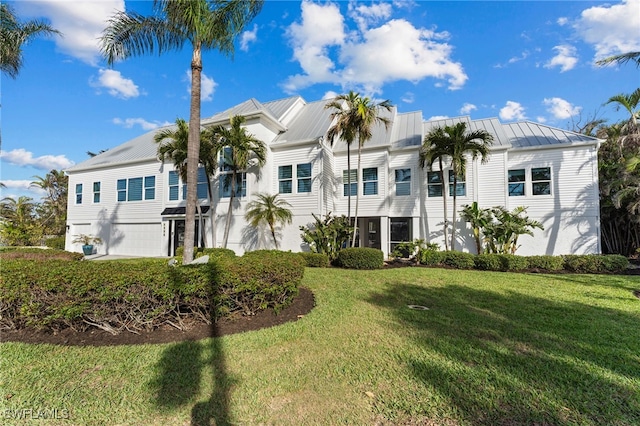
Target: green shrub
431,257
512,262
217,252
614,263
315,260
56,294
197,251
55,242
488,262
35,253
459,260
546,263
360,258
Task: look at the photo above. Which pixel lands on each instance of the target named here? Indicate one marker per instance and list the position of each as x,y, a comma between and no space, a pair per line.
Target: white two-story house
136,203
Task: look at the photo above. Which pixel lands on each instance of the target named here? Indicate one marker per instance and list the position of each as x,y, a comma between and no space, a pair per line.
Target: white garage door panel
136,239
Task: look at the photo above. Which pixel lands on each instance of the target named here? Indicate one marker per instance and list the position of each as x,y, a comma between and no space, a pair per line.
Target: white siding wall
404,206
369,205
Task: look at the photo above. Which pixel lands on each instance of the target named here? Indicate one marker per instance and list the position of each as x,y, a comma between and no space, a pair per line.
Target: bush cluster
315,260
142,294
594,264
501,262
360,258
35,253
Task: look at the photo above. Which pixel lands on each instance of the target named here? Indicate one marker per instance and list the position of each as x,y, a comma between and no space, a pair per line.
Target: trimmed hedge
546,263
34,253
202,251
595,264
360,258
315,260
143,294
431,257
459,260
501,262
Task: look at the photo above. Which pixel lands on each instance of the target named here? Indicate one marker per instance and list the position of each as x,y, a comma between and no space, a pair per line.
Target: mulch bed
301,305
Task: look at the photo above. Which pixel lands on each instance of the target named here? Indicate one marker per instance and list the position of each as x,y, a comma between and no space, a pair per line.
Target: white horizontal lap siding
369,205
302,203
570,215
491,181
405,205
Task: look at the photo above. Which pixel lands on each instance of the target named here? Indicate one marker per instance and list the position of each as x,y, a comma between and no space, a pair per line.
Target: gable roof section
247,108
311,123
407,130
527,134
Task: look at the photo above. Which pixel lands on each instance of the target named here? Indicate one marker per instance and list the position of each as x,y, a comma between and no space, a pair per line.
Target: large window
370,181
136,189
541,181
285,179
96,192
403,182
353,175
175,185
399,231
225,185
78,193
516,182
303,173
461,186
434,184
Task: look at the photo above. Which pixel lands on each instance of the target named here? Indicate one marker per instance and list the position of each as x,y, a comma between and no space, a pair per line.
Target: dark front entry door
178,235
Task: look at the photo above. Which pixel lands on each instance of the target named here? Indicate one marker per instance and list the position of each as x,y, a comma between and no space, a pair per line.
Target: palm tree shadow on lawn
540,360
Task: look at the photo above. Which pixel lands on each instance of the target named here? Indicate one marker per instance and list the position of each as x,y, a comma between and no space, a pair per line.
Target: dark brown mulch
301,305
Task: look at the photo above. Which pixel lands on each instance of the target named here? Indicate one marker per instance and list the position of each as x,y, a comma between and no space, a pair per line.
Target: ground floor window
400,231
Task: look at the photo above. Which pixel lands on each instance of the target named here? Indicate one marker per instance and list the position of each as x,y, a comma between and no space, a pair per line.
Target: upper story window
516,179
461,186
349,176
303,173
434,184
541,181
136,189
96,192
78,193
370,181
285,179
240,187
403,182
176,187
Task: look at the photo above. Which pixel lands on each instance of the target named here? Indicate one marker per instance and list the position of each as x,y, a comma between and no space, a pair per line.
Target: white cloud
144,124
115,84
80,22
562,21
207,86
329,95
611,29
541,119
370,57
22,157
368,15
566,58
437,117
512,111
467,108
248,37
561,109
20,185
408,98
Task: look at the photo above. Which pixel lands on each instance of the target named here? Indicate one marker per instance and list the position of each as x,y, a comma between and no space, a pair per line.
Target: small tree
269,209
479,219
328,235
501,234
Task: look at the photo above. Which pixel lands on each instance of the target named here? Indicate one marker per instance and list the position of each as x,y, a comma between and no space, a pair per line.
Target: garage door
136,239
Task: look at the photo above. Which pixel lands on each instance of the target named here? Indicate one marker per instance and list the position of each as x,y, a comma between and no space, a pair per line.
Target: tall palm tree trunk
273,234
230,210
453,214
211,212
358,177
444,202
193,154
349,182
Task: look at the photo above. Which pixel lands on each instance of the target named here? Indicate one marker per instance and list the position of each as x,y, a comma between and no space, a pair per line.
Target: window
434,184
516,179
403,182
174,185
78,193
370,181
303,173
541,181
400,231
96,192
285,179
353,176
461,189
225,185
134,189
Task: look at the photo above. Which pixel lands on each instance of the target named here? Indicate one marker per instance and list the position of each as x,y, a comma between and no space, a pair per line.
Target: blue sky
508,59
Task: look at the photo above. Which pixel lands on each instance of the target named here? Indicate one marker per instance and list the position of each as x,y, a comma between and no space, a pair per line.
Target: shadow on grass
509,358
182,371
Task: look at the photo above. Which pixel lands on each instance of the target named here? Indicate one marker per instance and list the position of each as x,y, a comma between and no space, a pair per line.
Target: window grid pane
403,182
79,193
150,188
353,174
303,173
285,176
434,187
461,187
134,192
541,181
370,181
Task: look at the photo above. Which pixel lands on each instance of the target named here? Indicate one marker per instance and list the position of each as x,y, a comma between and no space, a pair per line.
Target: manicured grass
493,348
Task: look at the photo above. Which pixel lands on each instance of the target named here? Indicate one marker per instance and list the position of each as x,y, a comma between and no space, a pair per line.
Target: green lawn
494,348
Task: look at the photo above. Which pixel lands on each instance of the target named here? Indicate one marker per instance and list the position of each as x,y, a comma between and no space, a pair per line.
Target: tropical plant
355,117
270,209
621,59
478,219
172,146
501,234
239,146
86,239
454,143
52,211
327,236
14,35
203,24
18,222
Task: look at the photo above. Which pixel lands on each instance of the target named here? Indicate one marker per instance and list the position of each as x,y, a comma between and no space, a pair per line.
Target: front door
370,232
178,235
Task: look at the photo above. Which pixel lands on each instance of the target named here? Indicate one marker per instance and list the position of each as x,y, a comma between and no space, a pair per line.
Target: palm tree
13,35
621,59
54,206
355,116
270,209
172,145
205,25
239,147
478,218
455,143
18,225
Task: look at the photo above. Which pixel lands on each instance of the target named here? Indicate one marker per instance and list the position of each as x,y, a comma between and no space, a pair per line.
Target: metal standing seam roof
380,137
526,134
407,130
311,123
